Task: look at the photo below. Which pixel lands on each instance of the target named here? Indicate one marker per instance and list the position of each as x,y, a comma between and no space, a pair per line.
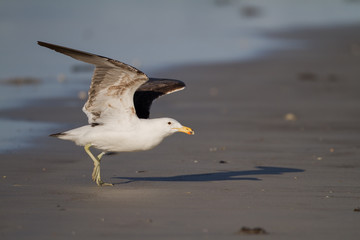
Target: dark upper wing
152,89
112,86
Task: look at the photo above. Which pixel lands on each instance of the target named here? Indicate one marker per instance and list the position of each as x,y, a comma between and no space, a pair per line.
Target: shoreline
247,166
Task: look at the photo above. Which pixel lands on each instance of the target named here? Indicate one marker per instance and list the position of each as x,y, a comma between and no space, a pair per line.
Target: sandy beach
276,146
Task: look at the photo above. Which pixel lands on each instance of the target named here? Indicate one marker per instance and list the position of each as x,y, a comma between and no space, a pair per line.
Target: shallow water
17,134
154,34
150,35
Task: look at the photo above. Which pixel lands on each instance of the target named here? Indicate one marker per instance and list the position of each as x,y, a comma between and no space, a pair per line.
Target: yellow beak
186,130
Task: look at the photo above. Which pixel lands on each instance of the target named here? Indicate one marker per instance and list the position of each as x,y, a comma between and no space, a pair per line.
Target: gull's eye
169,123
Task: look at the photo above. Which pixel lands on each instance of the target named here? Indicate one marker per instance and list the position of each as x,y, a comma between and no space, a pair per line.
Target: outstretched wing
152,89
112,86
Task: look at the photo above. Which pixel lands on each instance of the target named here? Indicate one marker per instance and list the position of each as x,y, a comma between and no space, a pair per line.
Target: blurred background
153,34
150,35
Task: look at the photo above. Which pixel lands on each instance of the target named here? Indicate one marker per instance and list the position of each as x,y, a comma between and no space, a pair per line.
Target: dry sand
277,146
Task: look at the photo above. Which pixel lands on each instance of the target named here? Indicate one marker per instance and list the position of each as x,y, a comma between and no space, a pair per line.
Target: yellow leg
96,172
100,155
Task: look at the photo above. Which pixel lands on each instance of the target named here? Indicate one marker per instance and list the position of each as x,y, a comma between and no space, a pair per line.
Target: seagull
118,109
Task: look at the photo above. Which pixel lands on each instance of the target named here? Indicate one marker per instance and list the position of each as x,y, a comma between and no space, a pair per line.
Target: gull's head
173,126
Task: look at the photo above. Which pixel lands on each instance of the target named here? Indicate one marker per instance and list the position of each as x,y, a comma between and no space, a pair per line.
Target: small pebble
61,78
82,95
252,231
290,117
60,208
213,149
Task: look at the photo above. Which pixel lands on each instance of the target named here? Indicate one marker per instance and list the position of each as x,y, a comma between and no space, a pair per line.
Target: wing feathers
112,86
118,90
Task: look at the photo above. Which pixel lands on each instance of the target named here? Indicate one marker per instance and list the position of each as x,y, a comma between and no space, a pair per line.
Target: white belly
114,140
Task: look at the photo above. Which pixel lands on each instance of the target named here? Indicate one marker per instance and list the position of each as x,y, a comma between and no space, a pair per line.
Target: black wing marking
152,89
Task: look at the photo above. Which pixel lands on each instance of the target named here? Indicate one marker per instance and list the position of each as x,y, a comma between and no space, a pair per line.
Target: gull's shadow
217,176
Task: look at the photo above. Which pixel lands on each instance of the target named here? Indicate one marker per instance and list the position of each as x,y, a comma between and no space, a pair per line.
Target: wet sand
276,146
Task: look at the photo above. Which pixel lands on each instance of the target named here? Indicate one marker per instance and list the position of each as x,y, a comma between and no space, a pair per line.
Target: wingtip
41,43
48,45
